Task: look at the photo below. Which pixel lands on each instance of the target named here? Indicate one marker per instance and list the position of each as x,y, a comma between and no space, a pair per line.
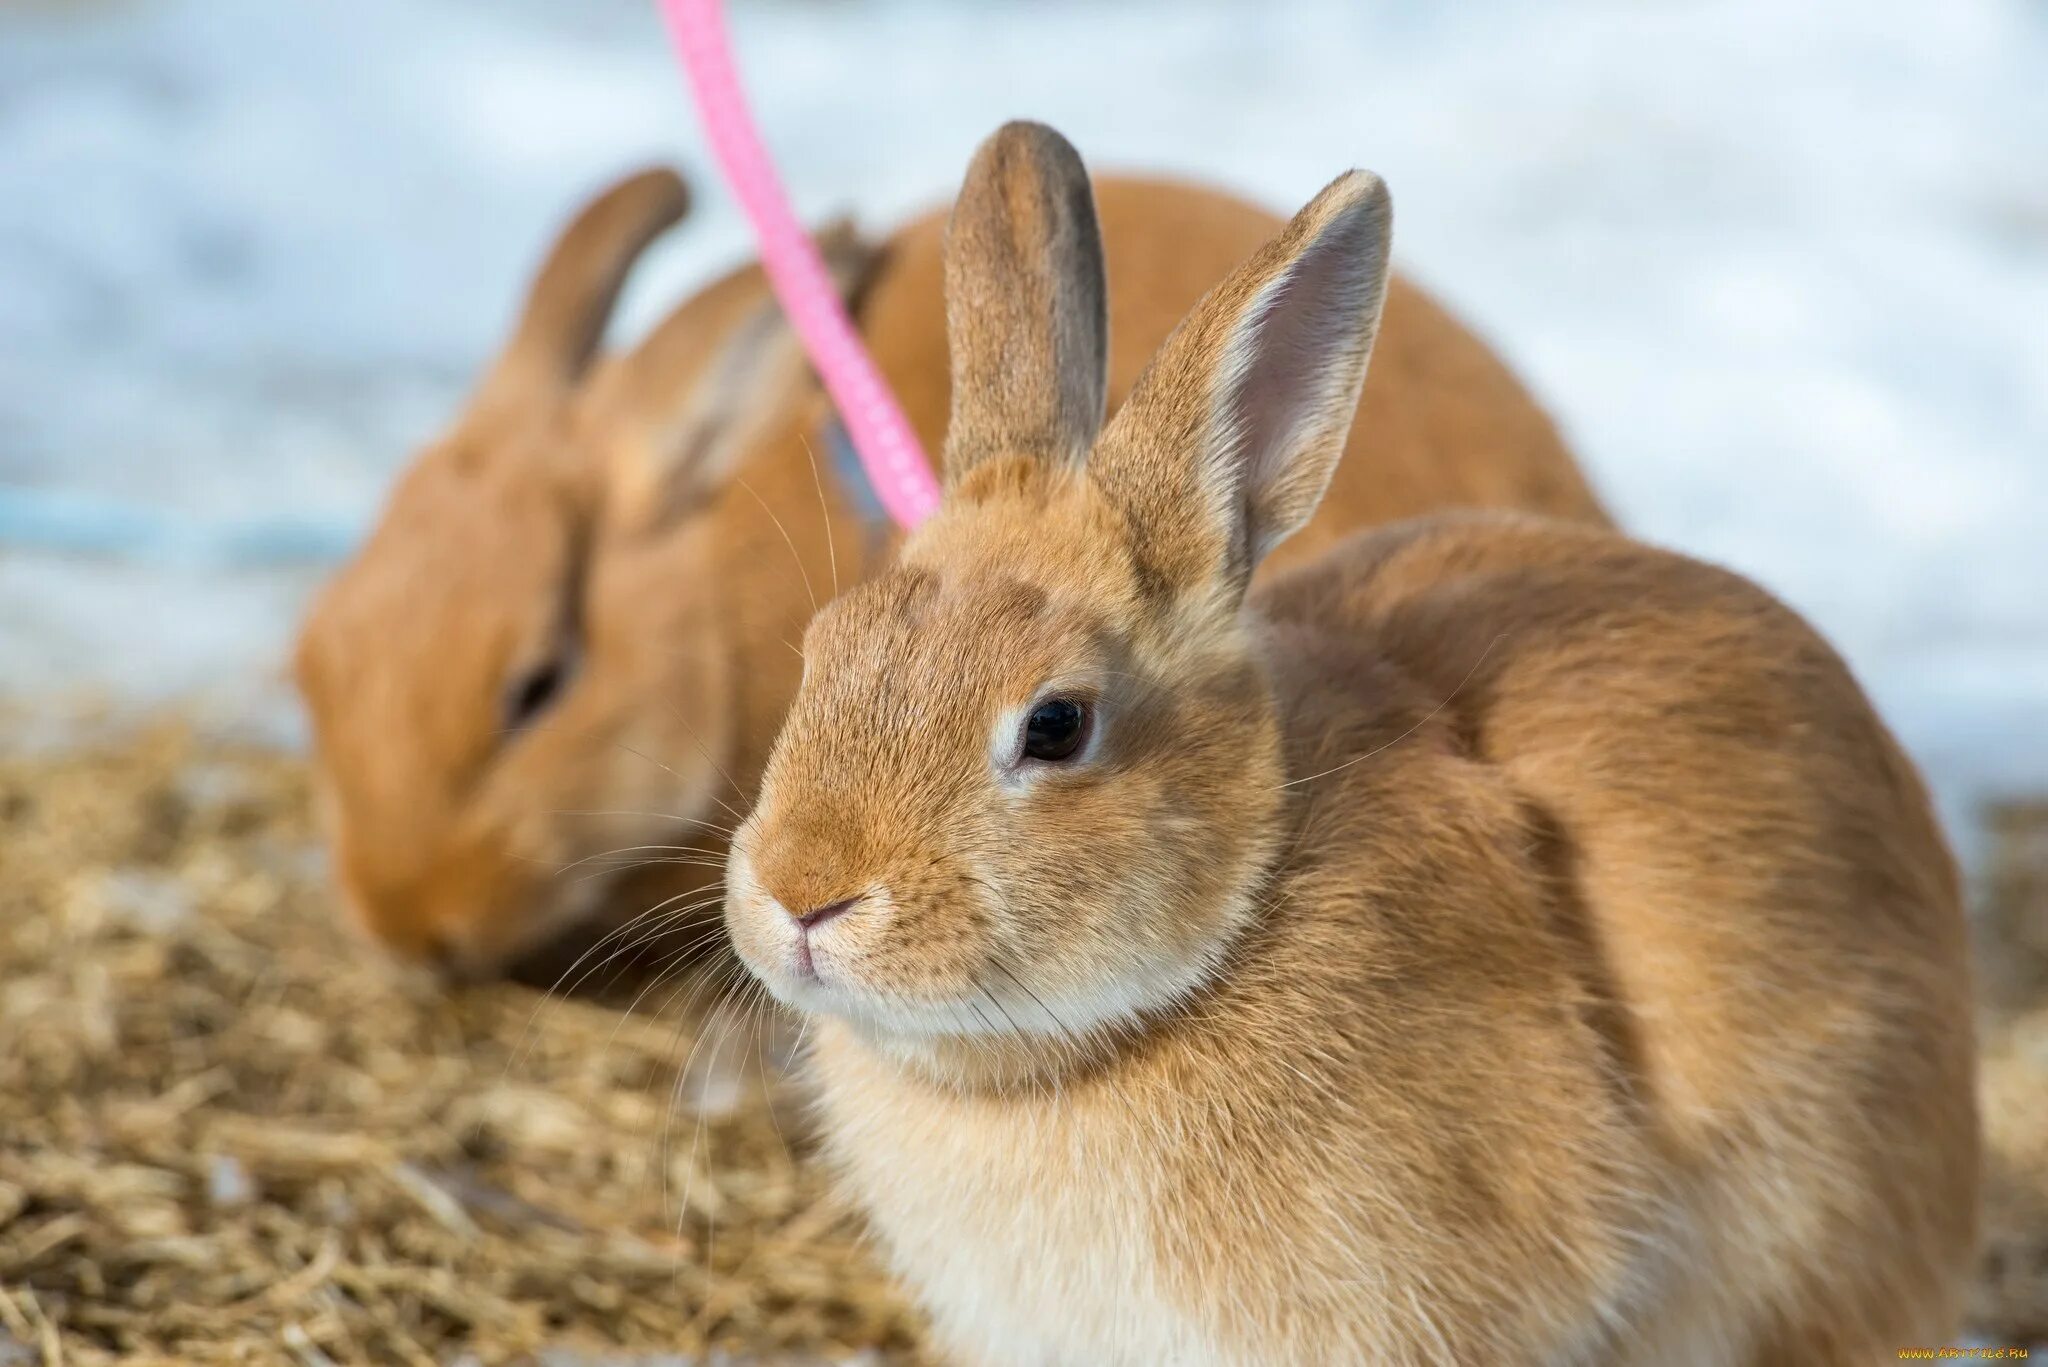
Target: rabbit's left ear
1229,439
1027,314
564,317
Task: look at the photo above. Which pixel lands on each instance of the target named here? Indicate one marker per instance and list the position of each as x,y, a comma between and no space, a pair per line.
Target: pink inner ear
1295,358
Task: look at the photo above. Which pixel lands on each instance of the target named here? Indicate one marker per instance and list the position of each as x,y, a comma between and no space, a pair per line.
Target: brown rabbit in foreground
571,638
1494,942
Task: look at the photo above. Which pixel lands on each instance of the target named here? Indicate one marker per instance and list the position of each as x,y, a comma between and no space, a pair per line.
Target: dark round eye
1055,729
535,691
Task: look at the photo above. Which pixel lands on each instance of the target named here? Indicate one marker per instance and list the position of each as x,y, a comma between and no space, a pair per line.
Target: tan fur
686,536
1493,942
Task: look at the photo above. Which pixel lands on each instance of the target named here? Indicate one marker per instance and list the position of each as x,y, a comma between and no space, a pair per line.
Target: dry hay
2011,921
228,1135
2011,1299
2010,1305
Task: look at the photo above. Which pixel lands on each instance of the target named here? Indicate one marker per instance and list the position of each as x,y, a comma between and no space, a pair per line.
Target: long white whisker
824,511
787,540
1356,759
721,828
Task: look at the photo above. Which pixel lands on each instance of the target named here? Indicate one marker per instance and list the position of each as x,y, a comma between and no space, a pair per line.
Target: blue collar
853,477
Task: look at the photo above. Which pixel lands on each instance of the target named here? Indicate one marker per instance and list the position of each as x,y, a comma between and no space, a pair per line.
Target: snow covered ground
1782,269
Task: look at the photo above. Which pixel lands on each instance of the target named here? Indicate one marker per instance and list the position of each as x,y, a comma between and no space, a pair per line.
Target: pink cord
895,463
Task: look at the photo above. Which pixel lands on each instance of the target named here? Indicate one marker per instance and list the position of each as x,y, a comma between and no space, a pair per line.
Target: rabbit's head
523,680
1030,782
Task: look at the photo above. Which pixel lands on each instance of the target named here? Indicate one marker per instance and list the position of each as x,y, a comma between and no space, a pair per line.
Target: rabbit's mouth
826,969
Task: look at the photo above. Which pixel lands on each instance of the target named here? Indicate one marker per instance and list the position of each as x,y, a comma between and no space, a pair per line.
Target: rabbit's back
1732,893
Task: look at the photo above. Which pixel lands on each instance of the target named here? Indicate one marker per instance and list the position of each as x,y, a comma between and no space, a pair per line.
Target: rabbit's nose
817,916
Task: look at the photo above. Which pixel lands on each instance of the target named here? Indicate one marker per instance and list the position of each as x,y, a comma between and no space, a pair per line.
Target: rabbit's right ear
1027,316
573,295
1230,437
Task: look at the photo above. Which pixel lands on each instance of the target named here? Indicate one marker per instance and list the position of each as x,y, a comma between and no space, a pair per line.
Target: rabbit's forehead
993,600
933,638
484,558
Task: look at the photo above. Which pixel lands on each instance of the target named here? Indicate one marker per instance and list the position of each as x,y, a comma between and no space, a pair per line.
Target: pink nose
811,920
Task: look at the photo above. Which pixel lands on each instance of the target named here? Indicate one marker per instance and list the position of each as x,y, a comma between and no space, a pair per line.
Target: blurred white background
1781,270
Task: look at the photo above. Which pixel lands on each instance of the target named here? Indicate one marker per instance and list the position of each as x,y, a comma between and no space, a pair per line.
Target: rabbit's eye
533,692
1055,730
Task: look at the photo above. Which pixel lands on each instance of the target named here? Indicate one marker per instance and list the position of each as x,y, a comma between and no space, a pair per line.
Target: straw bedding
2011,1302
229,1135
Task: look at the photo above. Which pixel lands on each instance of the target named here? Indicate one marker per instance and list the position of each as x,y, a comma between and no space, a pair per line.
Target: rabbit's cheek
767,939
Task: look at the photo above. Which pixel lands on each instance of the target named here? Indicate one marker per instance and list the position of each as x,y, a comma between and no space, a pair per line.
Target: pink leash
889,450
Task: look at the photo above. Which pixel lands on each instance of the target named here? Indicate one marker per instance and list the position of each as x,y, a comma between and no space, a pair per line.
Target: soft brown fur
663,516
1495,942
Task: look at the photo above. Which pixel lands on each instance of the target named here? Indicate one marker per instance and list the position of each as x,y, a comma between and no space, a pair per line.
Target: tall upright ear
572,297
1026,313
721,375
1231,435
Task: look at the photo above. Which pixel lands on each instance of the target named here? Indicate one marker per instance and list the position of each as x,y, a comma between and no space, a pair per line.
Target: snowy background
1781,269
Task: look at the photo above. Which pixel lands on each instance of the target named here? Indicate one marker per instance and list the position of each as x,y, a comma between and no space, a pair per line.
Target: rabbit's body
1593,991
1494,942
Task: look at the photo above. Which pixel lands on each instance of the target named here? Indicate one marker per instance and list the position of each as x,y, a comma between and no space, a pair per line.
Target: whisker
624,850
557,988
1424,721
654,816
787,540
682,1073
738,975
1059,1025
825,512
767,1008
557,991
657,981
624,866
739,818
